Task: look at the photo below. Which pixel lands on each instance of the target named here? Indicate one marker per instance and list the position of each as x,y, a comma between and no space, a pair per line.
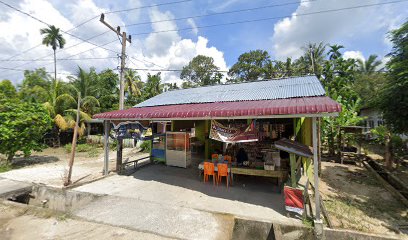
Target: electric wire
271,18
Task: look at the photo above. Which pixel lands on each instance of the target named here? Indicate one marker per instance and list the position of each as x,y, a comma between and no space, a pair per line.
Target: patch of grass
308,222
63,217
4,167
91,149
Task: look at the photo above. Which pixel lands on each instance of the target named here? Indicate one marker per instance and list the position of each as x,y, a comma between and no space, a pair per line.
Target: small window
371,124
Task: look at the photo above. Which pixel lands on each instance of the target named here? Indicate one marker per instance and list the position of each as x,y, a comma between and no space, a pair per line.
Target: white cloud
291,33
157,51
193,25
354,55
158,43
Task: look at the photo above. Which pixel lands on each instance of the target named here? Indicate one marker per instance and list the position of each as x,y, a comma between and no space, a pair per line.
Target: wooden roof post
292,158
318,221
106,147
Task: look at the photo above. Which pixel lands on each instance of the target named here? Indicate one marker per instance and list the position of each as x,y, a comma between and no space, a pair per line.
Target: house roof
243,109
307,86
260,99
294,147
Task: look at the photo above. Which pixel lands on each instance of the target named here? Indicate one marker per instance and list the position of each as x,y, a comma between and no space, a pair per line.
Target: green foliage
5,167
133,83
250,66
145,146
91,149
380,133
201,71
370,65
369,87
394,97
153,86
52,37
23,126
7,89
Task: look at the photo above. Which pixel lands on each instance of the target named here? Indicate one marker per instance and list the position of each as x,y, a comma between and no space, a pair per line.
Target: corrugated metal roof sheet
304,105
307,86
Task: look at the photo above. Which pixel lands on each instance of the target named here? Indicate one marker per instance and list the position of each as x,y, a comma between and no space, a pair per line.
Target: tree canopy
23,127
250,66
201,71
394,97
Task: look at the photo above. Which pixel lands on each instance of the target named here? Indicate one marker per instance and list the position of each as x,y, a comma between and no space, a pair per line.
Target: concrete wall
59,199
245,229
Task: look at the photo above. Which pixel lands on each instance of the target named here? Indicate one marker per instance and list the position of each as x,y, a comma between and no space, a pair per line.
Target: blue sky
362,31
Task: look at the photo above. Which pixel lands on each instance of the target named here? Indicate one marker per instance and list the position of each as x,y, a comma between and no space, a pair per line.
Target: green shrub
4,167
145,146
81,148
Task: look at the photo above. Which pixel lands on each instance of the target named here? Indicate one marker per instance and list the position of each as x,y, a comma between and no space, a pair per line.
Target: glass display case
178,149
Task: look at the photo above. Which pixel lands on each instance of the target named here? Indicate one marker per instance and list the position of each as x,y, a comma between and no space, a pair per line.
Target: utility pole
123,58
123,39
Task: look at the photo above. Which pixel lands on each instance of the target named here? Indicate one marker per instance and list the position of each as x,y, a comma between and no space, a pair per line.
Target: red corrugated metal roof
304,105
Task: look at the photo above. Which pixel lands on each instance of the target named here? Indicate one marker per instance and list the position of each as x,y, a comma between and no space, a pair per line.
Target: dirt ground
356,200
50,166
24,222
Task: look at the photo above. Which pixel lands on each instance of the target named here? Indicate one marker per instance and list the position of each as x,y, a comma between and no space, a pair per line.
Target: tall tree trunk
55,66
388,151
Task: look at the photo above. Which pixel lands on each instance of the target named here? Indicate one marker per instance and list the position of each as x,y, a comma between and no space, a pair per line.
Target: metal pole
106,147
316,169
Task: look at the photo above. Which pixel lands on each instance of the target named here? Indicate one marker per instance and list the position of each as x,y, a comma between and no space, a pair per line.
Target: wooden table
281,175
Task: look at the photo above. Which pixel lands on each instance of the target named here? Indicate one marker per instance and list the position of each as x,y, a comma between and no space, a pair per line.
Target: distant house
372,117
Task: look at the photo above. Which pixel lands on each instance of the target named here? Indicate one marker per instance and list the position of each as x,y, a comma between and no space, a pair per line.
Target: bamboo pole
74,140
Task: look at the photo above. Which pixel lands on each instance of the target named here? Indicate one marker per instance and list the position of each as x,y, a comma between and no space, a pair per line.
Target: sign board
222,133
132,130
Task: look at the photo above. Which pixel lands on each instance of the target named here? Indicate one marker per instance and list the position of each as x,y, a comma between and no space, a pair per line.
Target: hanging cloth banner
222,133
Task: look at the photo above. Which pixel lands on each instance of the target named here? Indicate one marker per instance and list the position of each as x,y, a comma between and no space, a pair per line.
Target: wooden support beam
106,147
316,168
293,181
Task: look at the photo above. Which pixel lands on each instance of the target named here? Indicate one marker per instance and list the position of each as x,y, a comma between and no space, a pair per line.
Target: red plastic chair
209,171
228,158
214,157
222,172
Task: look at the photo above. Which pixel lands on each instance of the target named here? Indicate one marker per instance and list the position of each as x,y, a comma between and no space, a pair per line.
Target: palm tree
314,57
54,38
370,65
153,85
334,52
133,83
84,84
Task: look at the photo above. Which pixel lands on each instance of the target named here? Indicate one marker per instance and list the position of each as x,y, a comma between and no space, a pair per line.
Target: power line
149,6
58,59
41,21
23,70
272,18
220,13
6,69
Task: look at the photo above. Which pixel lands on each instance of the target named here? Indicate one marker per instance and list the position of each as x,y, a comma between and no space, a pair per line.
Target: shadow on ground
253,190
32,160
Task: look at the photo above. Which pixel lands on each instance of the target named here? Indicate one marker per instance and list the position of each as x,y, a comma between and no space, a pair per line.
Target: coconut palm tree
370,65
133,83
153,85
53,38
